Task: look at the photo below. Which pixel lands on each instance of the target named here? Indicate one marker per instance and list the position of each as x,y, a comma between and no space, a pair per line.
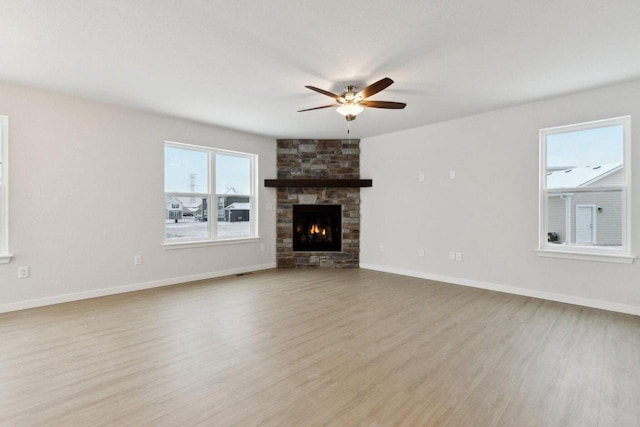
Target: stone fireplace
316,177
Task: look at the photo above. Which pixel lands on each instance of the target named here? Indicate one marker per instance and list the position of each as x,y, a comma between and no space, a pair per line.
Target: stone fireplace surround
318,159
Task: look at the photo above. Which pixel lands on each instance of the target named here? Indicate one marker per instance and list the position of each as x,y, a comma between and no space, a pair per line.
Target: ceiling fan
352,103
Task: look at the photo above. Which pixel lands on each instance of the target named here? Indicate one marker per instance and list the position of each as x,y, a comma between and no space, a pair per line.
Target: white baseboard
39,302
551,296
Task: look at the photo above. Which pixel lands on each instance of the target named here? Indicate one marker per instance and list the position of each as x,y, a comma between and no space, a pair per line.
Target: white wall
489,212
86,195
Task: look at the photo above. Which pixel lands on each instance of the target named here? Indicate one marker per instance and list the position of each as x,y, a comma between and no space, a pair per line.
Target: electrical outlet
459,256
263,247
23,272
269,206
452,174
137,260
381,248
421,177
420,252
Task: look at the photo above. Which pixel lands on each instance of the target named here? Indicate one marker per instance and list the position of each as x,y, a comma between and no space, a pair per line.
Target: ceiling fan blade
384,104
374,88
318,108
324,92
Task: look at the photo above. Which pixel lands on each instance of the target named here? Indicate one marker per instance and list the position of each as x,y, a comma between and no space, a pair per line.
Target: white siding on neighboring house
607,220
177,207
173,208
616,178
556,218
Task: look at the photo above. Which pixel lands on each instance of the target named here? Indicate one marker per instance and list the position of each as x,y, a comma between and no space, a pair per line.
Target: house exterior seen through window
584,198
4,176
209,194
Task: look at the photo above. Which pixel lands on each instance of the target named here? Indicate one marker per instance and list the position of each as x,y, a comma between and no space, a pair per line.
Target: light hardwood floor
319,347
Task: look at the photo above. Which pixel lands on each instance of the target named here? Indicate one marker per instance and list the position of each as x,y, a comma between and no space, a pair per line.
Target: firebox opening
317,228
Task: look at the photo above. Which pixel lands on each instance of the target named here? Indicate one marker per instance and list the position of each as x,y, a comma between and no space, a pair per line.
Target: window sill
5,259
619,258
203,243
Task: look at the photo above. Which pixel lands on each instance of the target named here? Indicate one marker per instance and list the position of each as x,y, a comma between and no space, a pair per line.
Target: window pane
186,217
585,157
234,216
186,171
233,174
233,188
592,218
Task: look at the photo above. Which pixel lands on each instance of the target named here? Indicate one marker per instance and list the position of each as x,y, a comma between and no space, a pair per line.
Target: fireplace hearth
317,228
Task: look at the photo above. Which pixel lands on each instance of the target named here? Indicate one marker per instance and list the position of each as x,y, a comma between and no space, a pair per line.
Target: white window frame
573,251
212,219
5,255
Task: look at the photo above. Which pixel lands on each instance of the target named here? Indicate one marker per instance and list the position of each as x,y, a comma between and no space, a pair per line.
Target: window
194,177
584,194
4,176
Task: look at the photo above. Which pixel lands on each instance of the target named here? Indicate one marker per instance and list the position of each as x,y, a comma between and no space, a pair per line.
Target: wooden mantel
318,183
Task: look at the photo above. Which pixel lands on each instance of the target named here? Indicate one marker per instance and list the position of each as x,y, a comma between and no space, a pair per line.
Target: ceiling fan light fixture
350,109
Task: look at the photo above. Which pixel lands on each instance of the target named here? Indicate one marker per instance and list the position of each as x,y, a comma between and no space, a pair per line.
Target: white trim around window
5,255
561,195
208,216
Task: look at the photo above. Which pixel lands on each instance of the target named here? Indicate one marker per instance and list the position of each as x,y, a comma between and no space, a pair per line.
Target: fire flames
317,230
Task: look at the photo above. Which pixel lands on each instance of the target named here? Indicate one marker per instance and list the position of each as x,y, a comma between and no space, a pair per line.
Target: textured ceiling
244,64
